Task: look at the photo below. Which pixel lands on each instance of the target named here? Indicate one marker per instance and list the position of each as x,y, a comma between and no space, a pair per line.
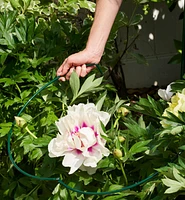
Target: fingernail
62,79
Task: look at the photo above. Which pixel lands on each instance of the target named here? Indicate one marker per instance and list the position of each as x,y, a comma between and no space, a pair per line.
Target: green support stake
183,48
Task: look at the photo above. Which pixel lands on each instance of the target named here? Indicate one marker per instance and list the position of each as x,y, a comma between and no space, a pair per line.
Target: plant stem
132,14
30,133
123,171
116,122
18,88
35,188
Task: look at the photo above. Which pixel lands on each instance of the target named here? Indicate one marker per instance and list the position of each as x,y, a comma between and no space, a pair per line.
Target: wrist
93,54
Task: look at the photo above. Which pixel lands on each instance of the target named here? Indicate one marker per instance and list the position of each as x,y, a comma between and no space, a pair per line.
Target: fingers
69,73
71,64
63,69
81,71
90,68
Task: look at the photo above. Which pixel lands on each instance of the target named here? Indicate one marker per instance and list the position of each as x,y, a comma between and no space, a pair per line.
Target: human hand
77,62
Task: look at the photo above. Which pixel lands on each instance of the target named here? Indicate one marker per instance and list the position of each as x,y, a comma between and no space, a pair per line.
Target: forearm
106,11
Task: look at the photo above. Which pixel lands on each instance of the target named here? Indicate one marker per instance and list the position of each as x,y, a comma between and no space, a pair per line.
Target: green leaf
173,117
106,163
119,196
178,45
182,147
181,160
176,59
139,58
9,102
121,20
21,34
4,131
74,82
31,29
139,147
144,1
101,100
3,41
3,58
27,144
177,130
25,181
56,189
174,186
114,197
15,4
136,19
26,4
144,102
115,187
135,129
42,141
10,40
89,84
88,5
7,81
178,177
37,61
37,154
25,94
141,122
156,106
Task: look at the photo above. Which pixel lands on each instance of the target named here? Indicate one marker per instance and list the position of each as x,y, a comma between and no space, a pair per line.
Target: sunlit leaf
139,147
74,83
174,186
101,100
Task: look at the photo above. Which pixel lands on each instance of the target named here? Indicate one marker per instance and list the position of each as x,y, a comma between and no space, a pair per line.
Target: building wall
156,44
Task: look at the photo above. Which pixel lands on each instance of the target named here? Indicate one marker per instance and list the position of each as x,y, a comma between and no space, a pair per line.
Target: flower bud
121,139
20,121
124,111
117,153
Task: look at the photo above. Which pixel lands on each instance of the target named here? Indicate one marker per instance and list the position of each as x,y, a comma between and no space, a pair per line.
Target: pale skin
106,11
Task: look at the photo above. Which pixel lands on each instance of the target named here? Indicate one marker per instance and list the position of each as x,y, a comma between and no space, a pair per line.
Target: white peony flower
166,94
79,139
181,4
177,105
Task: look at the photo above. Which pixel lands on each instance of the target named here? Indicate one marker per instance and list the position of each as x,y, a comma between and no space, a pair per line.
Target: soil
135,93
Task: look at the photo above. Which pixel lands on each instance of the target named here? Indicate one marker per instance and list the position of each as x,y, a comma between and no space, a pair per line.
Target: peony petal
87,137
73,160
77,142
89,170
56,147
101,148
161,93
91,162
166,94
66,125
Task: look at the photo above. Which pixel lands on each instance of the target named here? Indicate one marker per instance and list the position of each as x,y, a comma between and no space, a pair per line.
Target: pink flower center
76,132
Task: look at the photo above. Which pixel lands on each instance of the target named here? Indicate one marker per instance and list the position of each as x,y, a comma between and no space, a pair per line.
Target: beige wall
158,51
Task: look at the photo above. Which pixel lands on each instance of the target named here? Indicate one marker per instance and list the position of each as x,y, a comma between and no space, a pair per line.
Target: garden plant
79,132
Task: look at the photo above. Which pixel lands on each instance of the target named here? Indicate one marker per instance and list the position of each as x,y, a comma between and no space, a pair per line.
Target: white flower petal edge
79,139
166,94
